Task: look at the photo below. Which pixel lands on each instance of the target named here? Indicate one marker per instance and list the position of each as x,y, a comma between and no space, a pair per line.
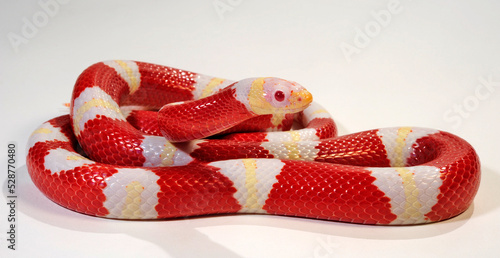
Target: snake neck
205,117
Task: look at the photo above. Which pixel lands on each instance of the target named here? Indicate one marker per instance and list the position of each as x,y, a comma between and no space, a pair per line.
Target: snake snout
299,100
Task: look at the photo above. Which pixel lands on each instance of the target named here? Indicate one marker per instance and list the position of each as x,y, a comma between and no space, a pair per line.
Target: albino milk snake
384,176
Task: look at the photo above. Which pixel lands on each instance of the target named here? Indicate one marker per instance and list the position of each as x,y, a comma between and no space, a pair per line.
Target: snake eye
279,96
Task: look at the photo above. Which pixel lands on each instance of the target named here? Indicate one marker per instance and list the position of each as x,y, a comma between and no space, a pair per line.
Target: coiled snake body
95,162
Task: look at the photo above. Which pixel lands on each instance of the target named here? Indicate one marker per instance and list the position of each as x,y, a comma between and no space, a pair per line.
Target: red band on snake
95,161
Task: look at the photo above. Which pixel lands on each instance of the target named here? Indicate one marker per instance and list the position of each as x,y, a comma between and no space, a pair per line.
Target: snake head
270,95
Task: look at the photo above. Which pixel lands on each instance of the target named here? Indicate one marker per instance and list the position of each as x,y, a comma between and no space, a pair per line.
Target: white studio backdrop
371,64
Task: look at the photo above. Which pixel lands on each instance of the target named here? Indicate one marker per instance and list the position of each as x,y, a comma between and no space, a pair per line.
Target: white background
370,63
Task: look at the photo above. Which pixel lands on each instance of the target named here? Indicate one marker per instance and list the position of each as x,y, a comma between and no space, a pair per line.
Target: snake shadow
185,237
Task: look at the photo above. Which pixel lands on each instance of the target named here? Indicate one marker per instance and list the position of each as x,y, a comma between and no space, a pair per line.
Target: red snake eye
279,96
